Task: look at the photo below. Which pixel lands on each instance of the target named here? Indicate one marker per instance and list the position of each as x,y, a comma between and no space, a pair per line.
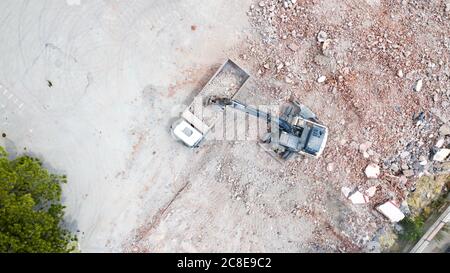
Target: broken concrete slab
372,170
370,192
358,198
444,130
346,191
441,155
391,211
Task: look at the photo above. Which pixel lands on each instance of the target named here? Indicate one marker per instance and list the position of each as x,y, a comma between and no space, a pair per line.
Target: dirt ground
92,87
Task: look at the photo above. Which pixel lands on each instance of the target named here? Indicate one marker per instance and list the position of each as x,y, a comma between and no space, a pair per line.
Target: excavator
295,131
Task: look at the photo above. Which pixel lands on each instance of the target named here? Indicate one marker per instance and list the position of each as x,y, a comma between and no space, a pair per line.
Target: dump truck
197,120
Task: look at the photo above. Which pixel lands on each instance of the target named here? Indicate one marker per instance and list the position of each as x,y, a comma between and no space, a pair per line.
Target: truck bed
226,82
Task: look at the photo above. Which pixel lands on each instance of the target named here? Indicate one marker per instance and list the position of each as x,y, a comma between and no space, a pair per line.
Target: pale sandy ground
117,69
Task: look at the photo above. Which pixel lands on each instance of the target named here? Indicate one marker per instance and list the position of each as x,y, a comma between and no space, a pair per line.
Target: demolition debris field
376,73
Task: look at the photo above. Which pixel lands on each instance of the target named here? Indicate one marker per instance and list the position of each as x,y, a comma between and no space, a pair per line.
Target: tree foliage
30,209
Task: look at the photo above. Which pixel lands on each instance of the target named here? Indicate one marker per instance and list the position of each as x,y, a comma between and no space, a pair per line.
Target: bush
412,229
30,208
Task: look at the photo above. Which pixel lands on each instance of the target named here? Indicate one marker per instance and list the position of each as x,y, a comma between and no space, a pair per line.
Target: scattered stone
408,173
288,80
400,73
358,198
403,180
346,191
325,45
322,36
370,192
262,4
330,167
394,167
321,79
418,86
441,155
391,211
293,46
372,170
445,130
363,147
440,143
405,154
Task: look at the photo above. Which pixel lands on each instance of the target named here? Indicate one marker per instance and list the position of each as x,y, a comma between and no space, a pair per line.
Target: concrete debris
370,192
346,191
293,46
355,78
440,143
441,155
372,170
391,211
330,167
444,130
364,148
408,173
358,198
418,86
322,36
321,79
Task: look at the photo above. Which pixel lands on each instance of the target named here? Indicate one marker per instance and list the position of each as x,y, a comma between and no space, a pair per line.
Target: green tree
30,208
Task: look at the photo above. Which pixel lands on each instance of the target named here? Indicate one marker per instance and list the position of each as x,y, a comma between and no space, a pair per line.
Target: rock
441,155
391,211
293,46
370,192
445,130
365,146
261,4
418,86
346,191
330,167
403,180
404,154
321,79
325,45
400,73
423,160
394,167
288,80
404,207
408,173
398,228
322,36
358,198
439,143
280,66
372,170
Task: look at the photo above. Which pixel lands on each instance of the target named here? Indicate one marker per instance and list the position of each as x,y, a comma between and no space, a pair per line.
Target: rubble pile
378,75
